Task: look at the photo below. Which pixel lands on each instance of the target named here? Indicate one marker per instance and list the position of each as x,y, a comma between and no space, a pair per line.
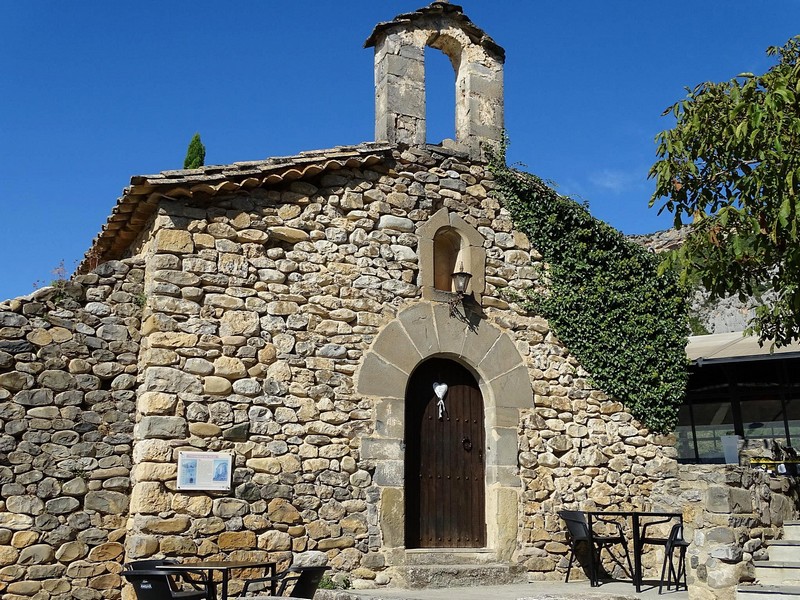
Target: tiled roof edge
244,168
140,200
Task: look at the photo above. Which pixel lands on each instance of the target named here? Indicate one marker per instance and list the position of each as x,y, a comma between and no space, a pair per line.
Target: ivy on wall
625,323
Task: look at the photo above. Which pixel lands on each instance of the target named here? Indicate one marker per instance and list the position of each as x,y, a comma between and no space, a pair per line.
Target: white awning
735,346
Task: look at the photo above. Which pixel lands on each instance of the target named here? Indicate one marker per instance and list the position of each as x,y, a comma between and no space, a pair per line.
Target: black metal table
636,533
225,567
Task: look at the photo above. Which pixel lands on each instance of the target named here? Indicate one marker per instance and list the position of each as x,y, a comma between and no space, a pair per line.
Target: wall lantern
460,284
461,281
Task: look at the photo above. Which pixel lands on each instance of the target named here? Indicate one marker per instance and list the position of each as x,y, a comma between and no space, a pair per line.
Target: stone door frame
425,330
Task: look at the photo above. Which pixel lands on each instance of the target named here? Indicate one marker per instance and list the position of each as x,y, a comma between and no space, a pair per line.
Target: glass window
763,419
793,420
756,399
712,420
685,435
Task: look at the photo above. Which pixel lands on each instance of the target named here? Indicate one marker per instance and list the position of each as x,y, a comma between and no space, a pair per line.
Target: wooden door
444,459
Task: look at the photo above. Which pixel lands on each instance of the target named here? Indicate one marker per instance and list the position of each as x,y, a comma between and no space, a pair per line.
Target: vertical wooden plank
479,471
440,445
469,457
454,533
428,467
466,467
461,469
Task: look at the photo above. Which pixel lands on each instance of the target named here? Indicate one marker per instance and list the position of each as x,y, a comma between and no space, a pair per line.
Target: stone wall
246,325
68,365
259,310
729,512
581,450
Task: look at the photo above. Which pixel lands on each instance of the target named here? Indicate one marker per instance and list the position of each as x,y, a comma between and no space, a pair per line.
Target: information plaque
204,471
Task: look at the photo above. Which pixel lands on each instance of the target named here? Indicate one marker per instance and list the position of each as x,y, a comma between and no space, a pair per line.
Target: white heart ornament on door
440,389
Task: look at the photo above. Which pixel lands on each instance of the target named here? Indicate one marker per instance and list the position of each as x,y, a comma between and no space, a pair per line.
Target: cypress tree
195,154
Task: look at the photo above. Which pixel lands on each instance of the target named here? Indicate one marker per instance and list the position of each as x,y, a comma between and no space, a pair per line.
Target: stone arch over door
417,333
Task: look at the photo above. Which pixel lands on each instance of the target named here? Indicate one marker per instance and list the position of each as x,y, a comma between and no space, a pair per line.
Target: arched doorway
423,331
445,458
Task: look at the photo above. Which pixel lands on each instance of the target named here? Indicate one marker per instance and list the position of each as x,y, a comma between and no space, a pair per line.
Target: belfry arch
400,77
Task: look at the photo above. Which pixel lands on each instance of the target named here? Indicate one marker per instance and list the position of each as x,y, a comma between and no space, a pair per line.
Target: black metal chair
579,532
163,584
675,574
196,579
301,582
672,542
675,542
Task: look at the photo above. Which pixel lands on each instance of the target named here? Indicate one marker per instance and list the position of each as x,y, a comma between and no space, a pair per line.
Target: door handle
467,444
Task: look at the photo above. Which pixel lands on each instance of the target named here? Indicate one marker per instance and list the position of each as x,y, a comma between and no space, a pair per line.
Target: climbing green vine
625,323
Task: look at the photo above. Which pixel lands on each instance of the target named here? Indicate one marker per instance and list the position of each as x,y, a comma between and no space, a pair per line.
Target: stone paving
539,590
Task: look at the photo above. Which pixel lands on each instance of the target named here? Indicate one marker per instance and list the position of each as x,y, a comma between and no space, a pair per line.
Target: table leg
637,553
224,585
593,577
212,585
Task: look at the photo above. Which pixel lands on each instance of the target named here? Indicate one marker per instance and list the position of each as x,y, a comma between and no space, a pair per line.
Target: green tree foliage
195,154
732,164
625,323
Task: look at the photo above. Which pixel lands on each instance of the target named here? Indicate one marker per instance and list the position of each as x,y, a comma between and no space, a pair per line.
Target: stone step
450,556
784,550
767,592
447,576
772,572
791,530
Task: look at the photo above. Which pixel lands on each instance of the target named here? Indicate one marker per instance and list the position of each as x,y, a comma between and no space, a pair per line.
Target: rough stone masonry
240,325
275,310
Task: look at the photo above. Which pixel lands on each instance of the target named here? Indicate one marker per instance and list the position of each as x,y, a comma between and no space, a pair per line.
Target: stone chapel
300,316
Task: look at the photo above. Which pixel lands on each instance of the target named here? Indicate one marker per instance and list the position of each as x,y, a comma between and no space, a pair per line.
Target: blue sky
94,92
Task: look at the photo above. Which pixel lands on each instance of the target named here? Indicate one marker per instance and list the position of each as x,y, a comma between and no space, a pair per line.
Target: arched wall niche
448,243
448,257
419,332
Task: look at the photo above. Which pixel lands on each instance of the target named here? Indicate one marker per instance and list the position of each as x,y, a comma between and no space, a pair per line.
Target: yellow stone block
194,506
8,555
232,540
149,497
105,552
174,241
157,403
218,386
40,337
109,581
172,339
23,539
60,334
177,524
